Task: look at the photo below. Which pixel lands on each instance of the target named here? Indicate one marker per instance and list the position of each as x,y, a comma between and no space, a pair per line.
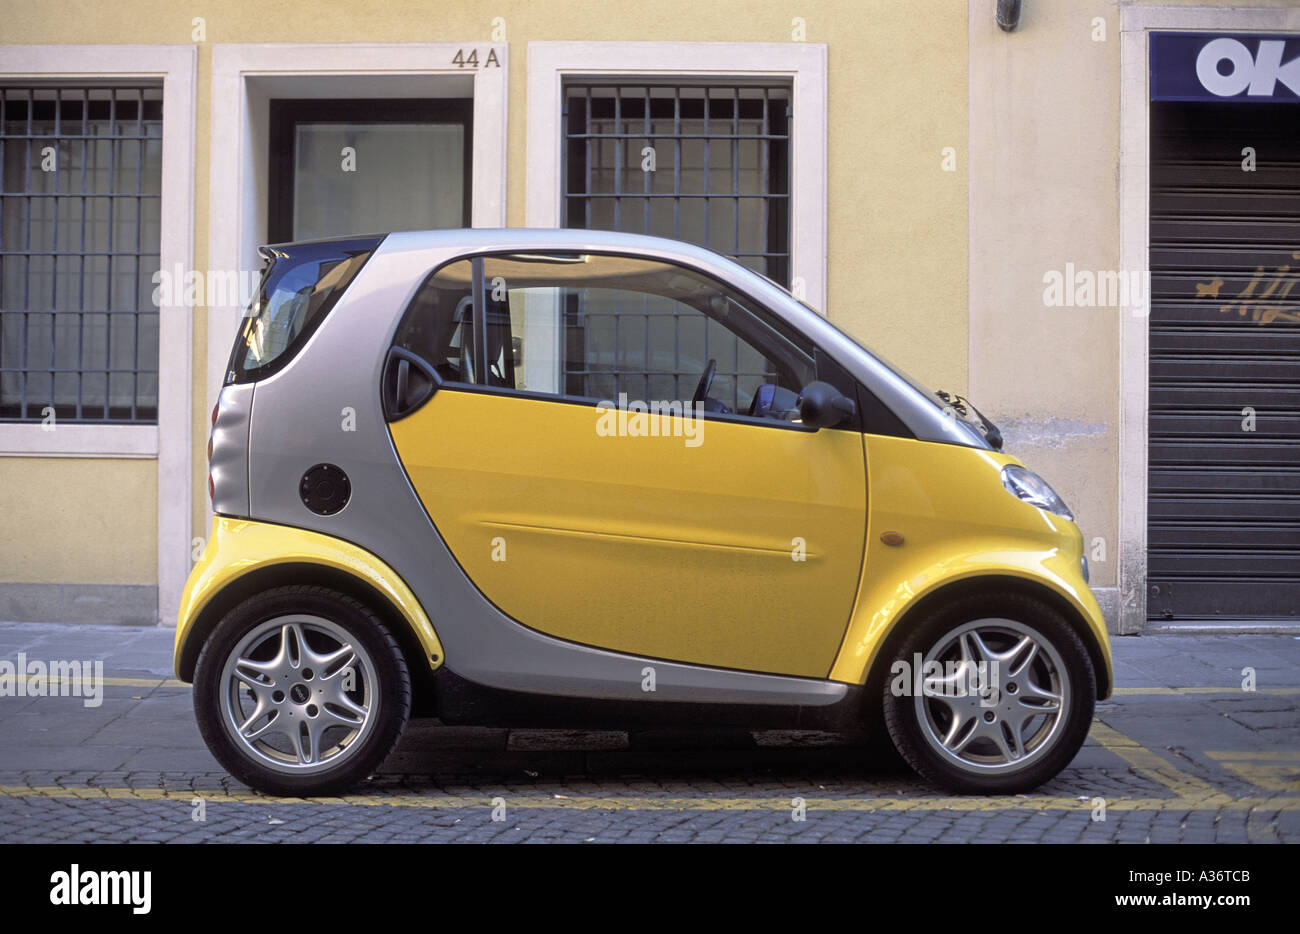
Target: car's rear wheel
301,690
992,694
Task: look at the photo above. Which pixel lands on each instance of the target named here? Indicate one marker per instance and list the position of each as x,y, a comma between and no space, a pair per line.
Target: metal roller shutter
1224,501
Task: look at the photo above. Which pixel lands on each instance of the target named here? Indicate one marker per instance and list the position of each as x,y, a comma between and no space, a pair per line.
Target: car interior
647,329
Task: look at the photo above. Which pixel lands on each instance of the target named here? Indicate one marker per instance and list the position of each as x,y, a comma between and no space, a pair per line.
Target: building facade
1100,209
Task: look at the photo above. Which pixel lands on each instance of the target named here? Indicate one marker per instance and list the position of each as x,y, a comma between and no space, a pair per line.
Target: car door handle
409,381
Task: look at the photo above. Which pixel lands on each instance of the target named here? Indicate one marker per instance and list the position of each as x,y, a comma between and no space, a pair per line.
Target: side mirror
821,405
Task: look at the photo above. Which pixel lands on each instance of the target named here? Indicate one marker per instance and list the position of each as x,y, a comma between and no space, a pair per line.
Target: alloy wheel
998,699
299,694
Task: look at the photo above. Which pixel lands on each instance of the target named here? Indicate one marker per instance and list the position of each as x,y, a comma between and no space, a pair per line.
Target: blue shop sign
1199,66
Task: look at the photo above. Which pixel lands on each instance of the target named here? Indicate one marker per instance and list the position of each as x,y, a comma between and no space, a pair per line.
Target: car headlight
1026,485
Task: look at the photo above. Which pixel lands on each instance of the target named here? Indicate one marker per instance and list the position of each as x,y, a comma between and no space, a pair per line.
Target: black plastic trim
396,404
461,701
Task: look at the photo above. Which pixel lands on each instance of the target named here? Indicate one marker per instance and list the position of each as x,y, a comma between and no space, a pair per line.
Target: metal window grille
654,348
708,164
80,200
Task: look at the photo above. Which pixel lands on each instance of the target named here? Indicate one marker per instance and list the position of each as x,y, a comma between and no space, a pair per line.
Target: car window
609,328
438,325
300,284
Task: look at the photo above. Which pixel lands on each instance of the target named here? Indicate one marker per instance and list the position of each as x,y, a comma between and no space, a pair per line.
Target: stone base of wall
118,604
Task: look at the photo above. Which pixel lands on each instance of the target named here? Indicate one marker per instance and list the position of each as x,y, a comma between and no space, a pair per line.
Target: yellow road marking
1155,767
1190,794
643,803
45,681
1121,692
1269,755
1175,692
1270,770
145,683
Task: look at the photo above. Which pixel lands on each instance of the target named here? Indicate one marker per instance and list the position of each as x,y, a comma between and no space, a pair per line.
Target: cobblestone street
1181,753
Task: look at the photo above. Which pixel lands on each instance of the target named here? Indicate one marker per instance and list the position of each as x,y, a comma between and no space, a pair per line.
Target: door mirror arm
821,405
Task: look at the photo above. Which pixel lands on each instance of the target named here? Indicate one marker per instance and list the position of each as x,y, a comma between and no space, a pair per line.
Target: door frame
244,78
287,113
1134,253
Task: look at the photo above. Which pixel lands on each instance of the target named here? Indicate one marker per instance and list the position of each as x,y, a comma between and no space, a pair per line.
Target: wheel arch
989,584
288,573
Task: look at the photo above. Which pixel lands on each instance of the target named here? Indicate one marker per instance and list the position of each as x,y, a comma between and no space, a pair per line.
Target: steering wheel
702,390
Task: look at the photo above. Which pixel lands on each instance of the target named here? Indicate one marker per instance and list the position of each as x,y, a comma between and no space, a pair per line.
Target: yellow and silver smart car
574,478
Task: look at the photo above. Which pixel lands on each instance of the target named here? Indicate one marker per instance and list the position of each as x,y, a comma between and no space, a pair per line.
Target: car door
567,457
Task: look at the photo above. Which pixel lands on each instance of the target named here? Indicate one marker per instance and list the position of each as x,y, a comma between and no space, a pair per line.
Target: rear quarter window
300,284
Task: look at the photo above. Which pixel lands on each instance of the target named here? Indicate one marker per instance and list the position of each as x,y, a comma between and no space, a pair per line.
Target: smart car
586,479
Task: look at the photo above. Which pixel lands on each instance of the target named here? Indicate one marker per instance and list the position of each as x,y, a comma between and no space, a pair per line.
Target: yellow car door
596,486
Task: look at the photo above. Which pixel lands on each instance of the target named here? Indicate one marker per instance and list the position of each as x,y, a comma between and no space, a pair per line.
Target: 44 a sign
462,59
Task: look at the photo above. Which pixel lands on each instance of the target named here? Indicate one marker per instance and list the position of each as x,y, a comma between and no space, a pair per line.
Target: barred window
81,173
703,163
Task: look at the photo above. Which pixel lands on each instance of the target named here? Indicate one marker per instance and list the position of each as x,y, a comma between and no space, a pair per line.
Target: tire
301,690
959,731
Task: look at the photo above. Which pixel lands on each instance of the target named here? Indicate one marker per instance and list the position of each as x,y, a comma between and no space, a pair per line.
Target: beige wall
79,520
1044,118
1044,191
897,96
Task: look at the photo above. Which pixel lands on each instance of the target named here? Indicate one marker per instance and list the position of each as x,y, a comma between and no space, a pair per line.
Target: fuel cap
325,489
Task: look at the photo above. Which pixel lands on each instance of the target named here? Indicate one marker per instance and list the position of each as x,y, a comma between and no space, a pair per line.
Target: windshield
941,400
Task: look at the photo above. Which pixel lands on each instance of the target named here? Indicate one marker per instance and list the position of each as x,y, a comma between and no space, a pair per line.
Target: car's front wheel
991,694
301,691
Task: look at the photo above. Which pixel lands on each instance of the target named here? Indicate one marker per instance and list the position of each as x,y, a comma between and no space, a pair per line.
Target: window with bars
81,176
704,163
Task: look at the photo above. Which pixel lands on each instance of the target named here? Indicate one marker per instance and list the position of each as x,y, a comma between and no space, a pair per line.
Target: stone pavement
1180,754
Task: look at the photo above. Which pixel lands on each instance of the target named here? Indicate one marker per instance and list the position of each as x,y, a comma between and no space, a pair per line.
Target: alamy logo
214,288
636,419
106,887
58,678
1105,288
955,678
